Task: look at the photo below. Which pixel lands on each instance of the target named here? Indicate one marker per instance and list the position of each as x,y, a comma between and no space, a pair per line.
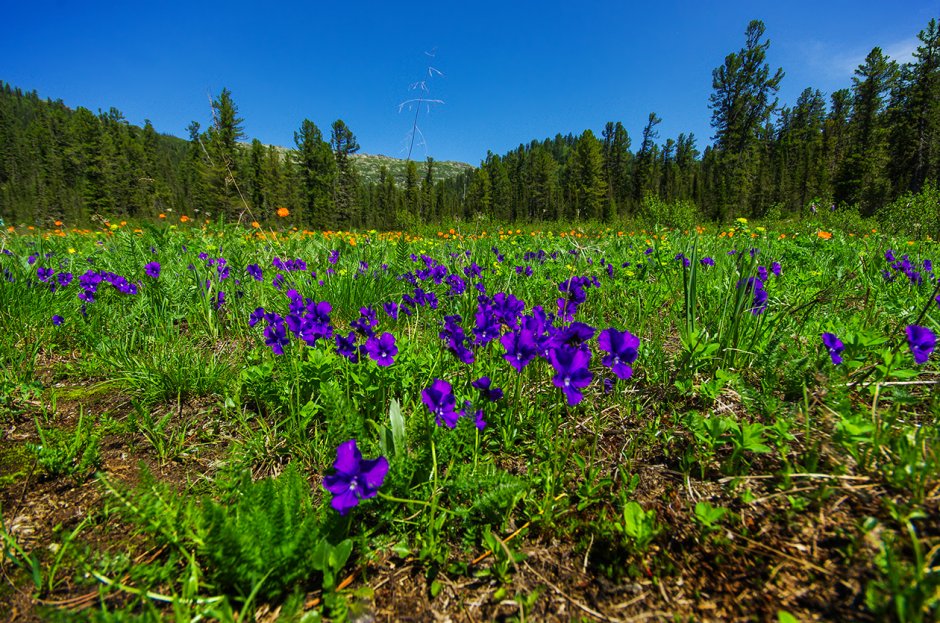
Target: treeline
866,146
873,142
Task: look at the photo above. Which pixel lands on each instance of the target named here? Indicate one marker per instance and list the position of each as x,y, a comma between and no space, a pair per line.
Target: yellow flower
741,219
71,250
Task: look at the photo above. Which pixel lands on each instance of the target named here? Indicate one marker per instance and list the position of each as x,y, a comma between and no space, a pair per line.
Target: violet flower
355,479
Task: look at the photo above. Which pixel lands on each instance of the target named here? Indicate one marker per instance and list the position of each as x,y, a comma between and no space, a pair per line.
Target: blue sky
512,71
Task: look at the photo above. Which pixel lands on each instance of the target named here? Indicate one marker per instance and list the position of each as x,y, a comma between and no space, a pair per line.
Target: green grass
717,458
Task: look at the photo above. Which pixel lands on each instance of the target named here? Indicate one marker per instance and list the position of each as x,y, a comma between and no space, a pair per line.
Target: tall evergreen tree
344,145
588,186
743,100
863,177
616,165
222,149
317,167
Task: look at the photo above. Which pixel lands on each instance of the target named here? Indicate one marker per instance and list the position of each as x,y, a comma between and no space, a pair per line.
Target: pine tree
616,165
317,167
587,183
222,149
863,177
345,186
744,98
645,170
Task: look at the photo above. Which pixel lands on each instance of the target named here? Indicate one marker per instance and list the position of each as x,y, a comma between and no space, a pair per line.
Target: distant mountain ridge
369,165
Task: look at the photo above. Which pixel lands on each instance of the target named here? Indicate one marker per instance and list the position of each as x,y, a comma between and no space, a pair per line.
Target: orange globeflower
58,223
282,212
256,224
161,215
825,235
184,219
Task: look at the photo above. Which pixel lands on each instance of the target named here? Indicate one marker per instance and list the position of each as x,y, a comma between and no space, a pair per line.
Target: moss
15,464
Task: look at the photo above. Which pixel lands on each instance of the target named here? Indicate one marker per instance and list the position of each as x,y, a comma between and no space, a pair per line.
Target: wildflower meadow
213,422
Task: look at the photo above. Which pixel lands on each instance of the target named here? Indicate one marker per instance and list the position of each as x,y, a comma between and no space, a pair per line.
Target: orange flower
825,235
58,223
11,228
282,212
161,215
256,225
451,231
184,219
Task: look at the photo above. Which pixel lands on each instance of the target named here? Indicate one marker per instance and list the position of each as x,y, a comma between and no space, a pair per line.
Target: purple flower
346,346
622,346
152,269
520,348
255,271
484,384
382,349
574,335
391,309
440,401
835,347
57,320
64,279
571,372
707,261
921,341
355,478
334,257
776,269
275,334
759,304
256,316
44,274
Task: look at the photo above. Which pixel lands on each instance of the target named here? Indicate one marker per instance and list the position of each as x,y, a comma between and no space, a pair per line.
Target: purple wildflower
571,372
520,348
622,346
440,401
921,341
57,320
382,349
484,384
152,269
835,347
346,346
355,478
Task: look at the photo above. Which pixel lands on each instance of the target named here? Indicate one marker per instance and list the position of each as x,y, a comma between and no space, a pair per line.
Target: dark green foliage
266,536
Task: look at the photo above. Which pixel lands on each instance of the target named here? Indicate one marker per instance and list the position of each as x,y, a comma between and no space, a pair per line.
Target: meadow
214,422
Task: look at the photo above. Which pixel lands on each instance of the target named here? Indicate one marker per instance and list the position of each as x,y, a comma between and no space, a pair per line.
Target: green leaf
398,427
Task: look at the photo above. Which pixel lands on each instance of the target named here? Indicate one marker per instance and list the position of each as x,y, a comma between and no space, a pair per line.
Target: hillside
368,166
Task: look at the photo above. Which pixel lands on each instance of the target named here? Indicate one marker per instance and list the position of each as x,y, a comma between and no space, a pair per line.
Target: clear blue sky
513,71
